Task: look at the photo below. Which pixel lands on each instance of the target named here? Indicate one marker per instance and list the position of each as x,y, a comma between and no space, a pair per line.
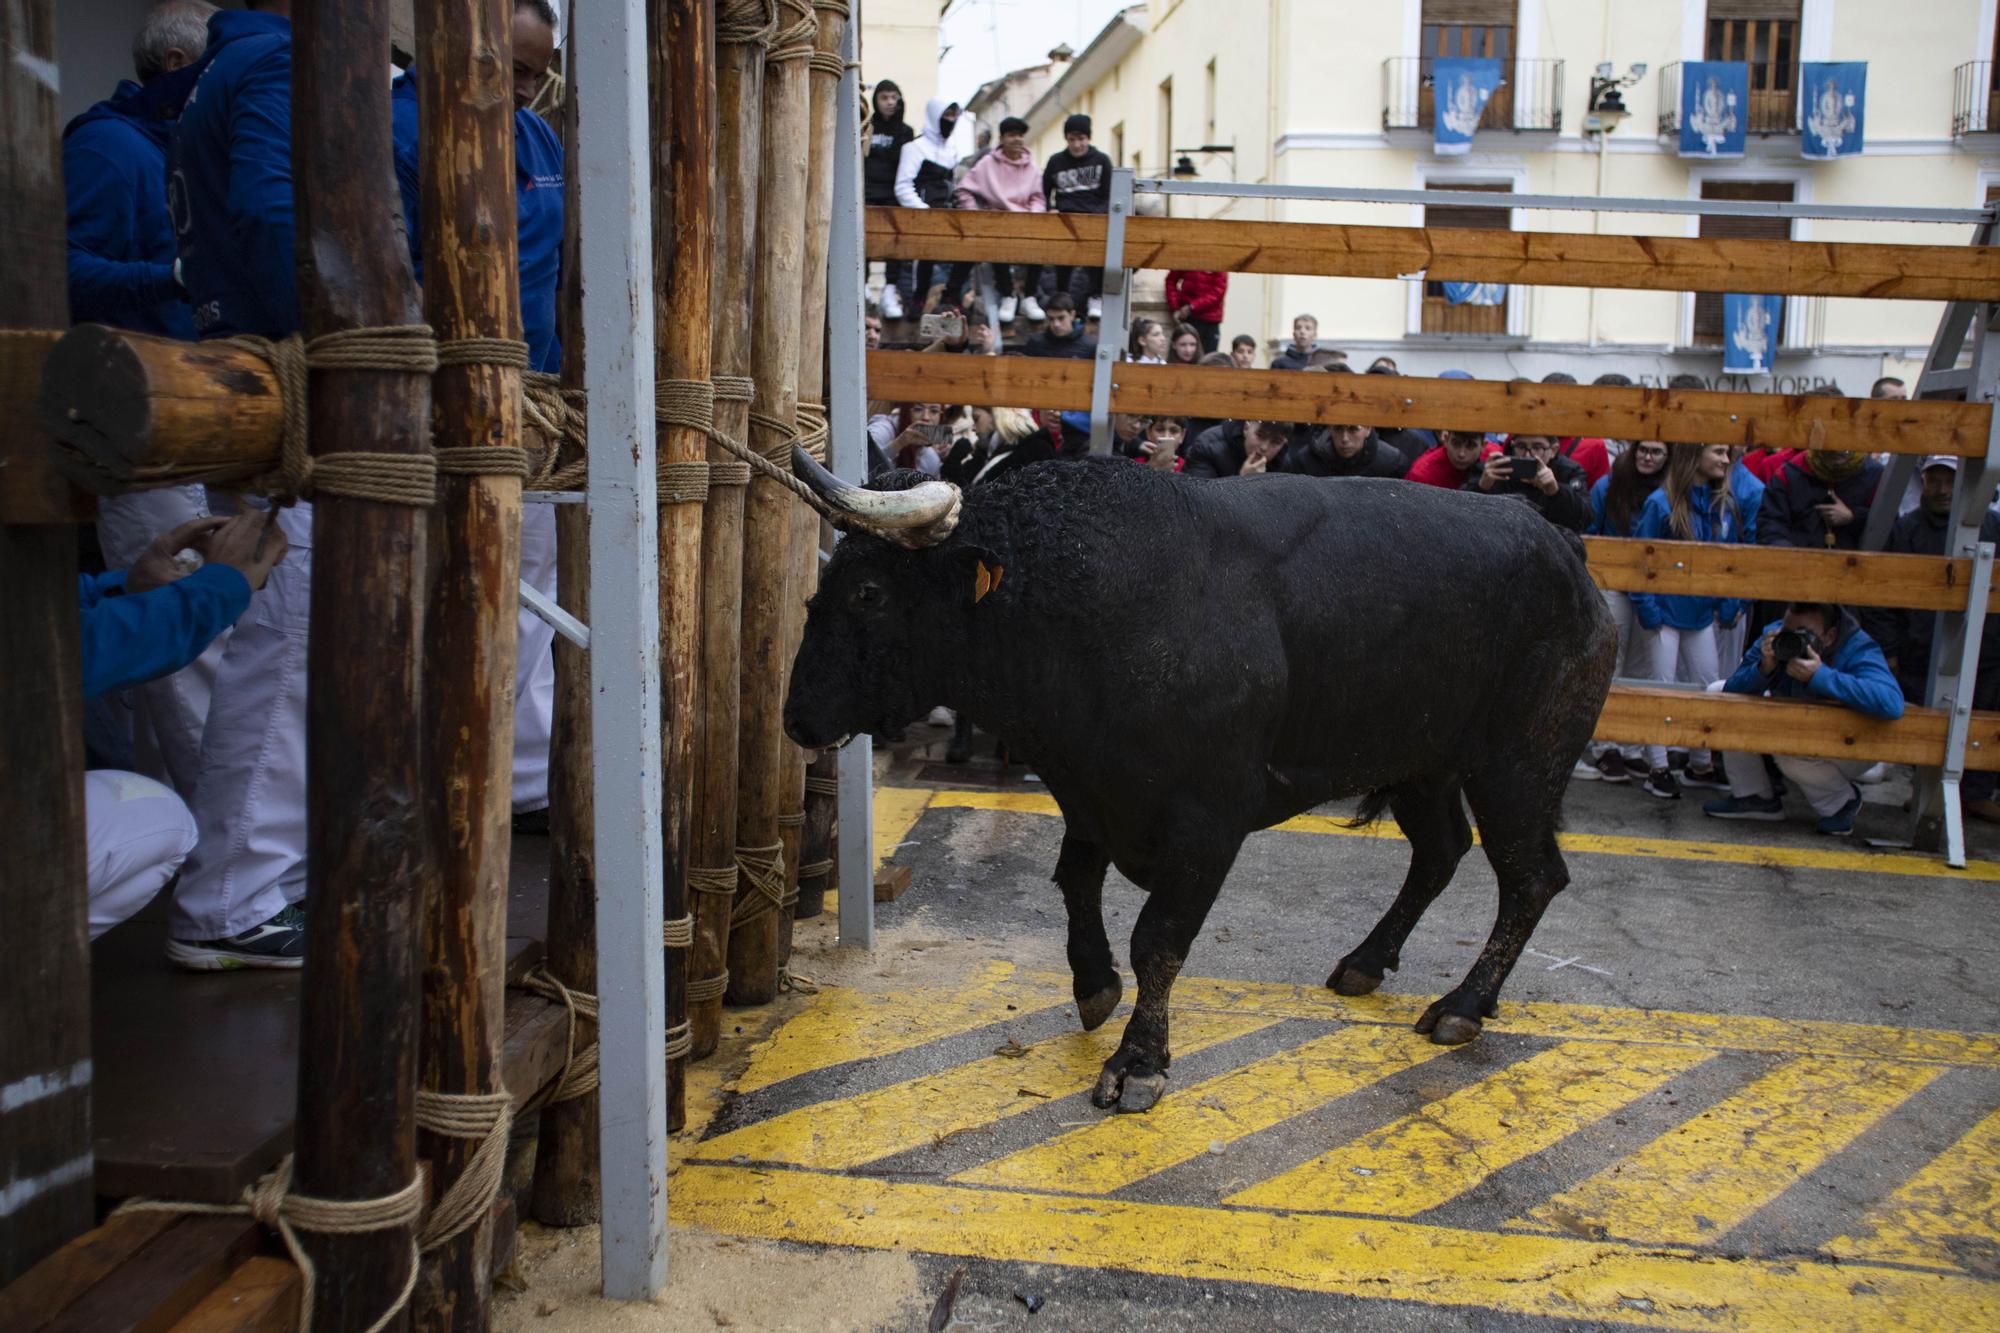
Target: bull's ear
979,569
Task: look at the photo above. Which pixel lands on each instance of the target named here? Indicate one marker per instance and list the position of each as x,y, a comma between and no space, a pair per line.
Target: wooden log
471,290
368,867
1780,726
31,490
167,1279
566,1165
45,1163
1696,416
816,845
1530,258
682,59
1781,573
260,1297
768,519
739,93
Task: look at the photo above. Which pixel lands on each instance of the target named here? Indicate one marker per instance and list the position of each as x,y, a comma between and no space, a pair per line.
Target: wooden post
367,868
682,56
471,290
566,1166
805,843
741,31
45,1163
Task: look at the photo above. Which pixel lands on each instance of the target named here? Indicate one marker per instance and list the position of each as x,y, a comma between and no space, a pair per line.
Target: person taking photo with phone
1532,470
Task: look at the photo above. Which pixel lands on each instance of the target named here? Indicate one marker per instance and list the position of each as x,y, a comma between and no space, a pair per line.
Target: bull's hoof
1126,1088
1447,1029
1141,1092
1094,1008
1349,979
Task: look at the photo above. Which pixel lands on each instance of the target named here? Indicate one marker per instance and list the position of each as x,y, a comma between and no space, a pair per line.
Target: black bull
1184,662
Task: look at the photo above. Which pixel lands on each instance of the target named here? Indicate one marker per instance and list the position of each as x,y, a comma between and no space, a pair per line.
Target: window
1468,28
1708,305
1208,104
1765,33
1166,121
1440,315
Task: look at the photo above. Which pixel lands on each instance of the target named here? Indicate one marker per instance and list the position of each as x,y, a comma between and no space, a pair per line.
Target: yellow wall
899,41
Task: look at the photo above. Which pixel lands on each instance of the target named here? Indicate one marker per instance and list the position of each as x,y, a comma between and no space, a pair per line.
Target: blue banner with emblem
1715,105
1832,97
1460,88
1750,333
1475,293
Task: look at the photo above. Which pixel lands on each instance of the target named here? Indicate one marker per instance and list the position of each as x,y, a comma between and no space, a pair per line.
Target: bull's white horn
926,505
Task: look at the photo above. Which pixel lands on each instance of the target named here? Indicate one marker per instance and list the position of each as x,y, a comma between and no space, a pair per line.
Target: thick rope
704,989
578,1077
558,414
744,22
719,880
484,460
678,933
484,1116
791,819
815,431
763,869
819,786
794,41
506,353
680,1041
814,869
733,388
689,403
271,1202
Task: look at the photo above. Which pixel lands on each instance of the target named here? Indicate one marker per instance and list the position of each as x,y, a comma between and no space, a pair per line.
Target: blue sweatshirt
230,182
1749,493
130,638
121,240
1685,613
538,195
1854,675
1600,526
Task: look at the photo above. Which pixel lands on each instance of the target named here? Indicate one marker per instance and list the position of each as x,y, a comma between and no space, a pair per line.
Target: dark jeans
1093,281
1027,277
1210,331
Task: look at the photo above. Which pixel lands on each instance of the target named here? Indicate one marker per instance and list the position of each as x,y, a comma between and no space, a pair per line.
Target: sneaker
942,717
1611,767
1767,808
1032,309
1096,308
1585,771
1008,305
1873,774
1840,823
279,942
1710,777
1660,782
892,302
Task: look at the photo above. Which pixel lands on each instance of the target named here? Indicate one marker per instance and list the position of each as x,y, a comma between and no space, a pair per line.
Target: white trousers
1635,659
1827,784
250,801
535,663
1730,642
136,834
168,713
1687,656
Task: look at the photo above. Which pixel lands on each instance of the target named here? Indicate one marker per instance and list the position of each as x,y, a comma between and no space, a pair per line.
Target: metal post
616,269
1117,308
847,409
1959,722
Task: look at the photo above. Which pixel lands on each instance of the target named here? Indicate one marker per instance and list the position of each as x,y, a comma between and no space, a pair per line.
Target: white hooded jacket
929,148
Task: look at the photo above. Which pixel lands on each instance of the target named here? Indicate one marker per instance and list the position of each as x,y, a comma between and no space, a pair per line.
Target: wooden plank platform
1782,726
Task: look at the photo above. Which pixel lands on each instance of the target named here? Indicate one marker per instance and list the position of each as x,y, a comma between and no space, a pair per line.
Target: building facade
1324,92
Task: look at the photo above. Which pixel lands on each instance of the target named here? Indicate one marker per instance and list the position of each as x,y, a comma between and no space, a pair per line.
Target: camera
1788,645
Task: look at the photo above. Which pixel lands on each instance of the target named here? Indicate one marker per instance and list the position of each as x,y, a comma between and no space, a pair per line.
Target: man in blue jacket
135,625
538,195
1817,651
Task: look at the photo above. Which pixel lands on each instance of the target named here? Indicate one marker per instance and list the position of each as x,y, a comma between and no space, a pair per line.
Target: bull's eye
867,596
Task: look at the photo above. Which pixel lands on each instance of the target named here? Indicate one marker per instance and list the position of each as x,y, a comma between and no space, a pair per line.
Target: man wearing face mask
924,180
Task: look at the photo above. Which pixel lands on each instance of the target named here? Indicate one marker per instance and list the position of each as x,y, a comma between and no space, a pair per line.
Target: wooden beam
368,866
1781,573
45,1159
471,290
1695,416
1695,718
1530,258
31,489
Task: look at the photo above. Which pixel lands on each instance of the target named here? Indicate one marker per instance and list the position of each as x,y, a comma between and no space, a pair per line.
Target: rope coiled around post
819,786
794,41
830,62
578,1077
487,1117
763,869
744,22
484,460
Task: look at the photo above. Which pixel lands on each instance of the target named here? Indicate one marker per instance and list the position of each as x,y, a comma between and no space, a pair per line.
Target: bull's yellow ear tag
985,580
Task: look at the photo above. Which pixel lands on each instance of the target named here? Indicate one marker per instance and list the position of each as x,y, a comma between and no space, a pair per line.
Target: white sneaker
892,302
1032,309
1873,774
1007,307
943,717
1096,307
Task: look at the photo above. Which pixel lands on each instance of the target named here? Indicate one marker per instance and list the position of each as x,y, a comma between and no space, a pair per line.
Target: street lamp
1606,104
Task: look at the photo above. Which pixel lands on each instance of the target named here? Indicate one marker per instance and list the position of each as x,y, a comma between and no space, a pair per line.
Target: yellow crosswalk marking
896,812
1695,1182
835,1135
1112,1154
1442,1149
845,1024
1556,1277
1947,1213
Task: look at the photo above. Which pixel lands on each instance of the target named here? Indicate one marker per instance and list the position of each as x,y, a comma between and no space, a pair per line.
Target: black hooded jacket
885,149
1568,508
1905,636
1790,515
1315,456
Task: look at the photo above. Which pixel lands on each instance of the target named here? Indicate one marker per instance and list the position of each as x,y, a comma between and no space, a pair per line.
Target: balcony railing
1529,96
1975,102
1771,110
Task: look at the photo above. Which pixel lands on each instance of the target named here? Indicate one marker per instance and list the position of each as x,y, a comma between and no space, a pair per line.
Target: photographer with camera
1818,651
1533,470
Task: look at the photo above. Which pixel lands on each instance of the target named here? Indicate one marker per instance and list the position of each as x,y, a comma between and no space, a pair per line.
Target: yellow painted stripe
1112,1154
842,1025
1443,1149
907,1115
1571,1280
1590,1022
1596,844
1946,1212
896,812
1692,1184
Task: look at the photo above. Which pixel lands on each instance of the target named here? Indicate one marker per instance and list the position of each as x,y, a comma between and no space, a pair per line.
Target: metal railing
1771,110
1529,97
1975,102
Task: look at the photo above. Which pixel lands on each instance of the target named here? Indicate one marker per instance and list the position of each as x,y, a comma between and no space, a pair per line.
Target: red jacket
1588,454
1434,469
1764,464
1202,291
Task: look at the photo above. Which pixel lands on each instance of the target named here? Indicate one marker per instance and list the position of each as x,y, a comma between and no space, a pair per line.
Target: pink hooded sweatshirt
1000,186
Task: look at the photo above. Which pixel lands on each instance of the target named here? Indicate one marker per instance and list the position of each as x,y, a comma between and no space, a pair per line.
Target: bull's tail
1370,810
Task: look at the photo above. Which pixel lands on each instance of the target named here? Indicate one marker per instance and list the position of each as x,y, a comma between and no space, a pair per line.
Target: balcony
1975,101
1771,110
1528,100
